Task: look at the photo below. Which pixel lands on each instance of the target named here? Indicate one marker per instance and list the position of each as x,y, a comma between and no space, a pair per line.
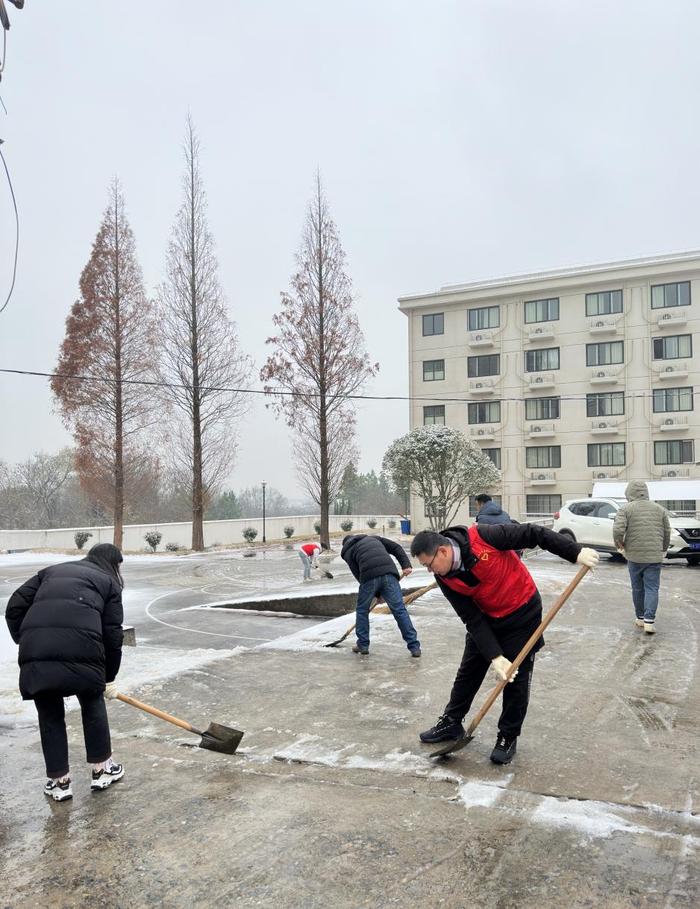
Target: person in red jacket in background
309,553
494,594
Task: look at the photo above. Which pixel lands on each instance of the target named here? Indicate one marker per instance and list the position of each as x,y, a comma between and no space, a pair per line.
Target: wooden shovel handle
183,724
532,640
411,598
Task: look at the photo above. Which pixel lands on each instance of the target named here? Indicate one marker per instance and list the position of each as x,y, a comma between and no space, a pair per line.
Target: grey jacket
641,527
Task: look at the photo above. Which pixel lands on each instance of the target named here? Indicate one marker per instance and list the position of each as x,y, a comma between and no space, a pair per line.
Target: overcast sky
456,141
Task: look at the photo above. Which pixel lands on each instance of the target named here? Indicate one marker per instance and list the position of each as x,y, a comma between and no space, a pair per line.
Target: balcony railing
604,427
541,430
673,319
604,325
678,369
605,375
606,473
542,478
482,386
484,432
484,338
674,471
543,332
673,424
540,380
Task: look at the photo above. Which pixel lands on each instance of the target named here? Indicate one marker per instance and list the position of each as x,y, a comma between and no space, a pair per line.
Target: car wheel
693,561
569,534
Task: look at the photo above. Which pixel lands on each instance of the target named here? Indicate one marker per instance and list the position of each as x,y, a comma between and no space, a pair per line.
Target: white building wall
573,431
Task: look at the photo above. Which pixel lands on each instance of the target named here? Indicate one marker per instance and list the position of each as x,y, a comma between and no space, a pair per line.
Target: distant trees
110,339
44,477
442,467
367,493
201,360
318,359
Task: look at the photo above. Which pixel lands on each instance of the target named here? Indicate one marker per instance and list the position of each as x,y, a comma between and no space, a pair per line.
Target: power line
14,203
153,383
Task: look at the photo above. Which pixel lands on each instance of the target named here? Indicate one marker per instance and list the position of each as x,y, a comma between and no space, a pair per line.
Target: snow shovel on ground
458,744
215,737
412,597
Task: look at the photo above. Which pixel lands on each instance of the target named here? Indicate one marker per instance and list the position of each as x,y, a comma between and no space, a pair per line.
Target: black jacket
506,636
370,557
67,620
493,514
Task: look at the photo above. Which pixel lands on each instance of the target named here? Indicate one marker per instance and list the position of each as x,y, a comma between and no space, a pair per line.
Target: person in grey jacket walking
489,512
642,533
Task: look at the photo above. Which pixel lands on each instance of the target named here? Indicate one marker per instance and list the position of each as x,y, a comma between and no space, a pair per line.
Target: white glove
111,690
500,666
588,557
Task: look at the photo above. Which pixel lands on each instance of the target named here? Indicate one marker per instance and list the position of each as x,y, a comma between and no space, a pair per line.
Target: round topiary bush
371,523
172,547
153,538
249,534
346,525
288,531
81,537
391,524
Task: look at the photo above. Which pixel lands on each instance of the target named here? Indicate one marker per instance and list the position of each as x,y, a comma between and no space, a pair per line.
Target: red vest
310,548
505,583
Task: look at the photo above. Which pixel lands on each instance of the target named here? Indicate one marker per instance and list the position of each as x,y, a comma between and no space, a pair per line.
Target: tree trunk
118,403
323,417
197,484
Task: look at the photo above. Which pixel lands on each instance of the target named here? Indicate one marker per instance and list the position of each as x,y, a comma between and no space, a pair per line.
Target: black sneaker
415,652
504,749
363,650
445,729
58,791
101,779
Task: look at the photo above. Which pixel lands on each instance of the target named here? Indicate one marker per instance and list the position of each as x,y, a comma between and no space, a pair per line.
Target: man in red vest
495,596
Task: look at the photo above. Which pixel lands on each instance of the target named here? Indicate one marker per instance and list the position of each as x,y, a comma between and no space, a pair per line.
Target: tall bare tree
318,358
109,337
201,359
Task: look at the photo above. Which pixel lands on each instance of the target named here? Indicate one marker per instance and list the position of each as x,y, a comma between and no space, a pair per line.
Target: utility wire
14,203
301,394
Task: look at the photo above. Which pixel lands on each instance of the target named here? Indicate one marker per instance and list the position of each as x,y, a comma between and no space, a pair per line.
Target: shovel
215,737
458,744
412,597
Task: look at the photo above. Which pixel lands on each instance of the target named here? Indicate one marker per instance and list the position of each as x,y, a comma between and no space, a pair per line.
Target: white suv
590,522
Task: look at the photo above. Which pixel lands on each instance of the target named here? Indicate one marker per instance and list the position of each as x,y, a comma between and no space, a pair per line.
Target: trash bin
405,526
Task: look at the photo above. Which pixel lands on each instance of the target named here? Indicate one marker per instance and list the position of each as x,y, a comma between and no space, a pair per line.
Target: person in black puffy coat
369,559
67,620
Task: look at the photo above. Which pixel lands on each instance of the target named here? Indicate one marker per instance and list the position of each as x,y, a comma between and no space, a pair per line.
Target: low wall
215,532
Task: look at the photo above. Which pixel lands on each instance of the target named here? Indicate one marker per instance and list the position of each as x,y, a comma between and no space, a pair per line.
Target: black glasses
430,563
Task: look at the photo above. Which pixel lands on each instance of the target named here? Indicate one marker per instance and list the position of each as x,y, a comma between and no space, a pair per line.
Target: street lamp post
263,516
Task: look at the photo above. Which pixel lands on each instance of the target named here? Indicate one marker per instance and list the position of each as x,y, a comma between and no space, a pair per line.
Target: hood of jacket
491,508
636,489
349,542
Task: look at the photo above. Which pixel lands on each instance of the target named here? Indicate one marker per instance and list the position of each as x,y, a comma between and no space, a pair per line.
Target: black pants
470,675
54,739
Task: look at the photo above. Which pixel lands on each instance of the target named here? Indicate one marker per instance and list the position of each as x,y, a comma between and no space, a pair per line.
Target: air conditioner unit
599,324
538,379
538,331
479,385
601,374
669,422
537,429
481,432
666,315
671,473
601,476
669,369
541,477
602,425
477,337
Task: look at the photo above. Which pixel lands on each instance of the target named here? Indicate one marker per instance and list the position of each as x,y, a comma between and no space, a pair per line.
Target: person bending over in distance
494,594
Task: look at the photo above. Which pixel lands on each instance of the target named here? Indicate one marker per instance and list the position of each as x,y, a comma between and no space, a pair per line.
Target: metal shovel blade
221,738
454,745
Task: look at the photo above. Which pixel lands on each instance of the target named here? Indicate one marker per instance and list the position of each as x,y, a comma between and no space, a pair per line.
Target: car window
585,509
606,510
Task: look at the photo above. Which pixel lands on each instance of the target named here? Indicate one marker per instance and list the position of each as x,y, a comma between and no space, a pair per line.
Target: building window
543,456
542,310
675,452
604,304
433,370
434,324
540,360
542,504
607,454
484,412
542,409
664,295
668,400
484,317
605,353
474,506
434,415
494,454
673,348
683,506
605,404
488,365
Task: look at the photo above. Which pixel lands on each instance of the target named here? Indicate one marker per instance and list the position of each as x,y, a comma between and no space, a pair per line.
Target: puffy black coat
493,514
67,620
369,557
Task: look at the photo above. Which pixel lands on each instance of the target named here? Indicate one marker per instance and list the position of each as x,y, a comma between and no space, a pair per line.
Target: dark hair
426,542
482,497
108,558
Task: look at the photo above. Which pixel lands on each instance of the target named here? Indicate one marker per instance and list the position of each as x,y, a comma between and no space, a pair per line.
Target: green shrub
289,531
153,538
172,547
81,537
346,525
317,527
249,534
391,524
371,523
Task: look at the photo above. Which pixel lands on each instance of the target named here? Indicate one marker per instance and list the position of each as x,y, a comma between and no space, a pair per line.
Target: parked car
590,522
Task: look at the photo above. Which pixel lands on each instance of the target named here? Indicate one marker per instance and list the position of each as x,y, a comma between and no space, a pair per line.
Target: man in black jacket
495,596
369,559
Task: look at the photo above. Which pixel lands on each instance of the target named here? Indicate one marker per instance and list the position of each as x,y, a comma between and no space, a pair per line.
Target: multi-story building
565,377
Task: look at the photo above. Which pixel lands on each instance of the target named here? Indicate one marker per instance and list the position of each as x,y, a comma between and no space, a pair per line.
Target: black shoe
416,652
363,650
443,731
504,749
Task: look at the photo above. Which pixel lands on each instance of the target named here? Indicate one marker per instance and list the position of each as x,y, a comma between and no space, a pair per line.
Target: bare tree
109,338
44,476
201,359
318,358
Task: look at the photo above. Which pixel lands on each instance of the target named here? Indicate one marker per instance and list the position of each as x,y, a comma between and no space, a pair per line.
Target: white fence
215,532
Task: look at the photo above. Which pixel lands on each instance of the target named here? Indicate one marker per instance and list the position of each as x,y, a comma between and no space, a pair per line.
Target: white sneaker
639,623
101,779
649,628
59,792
